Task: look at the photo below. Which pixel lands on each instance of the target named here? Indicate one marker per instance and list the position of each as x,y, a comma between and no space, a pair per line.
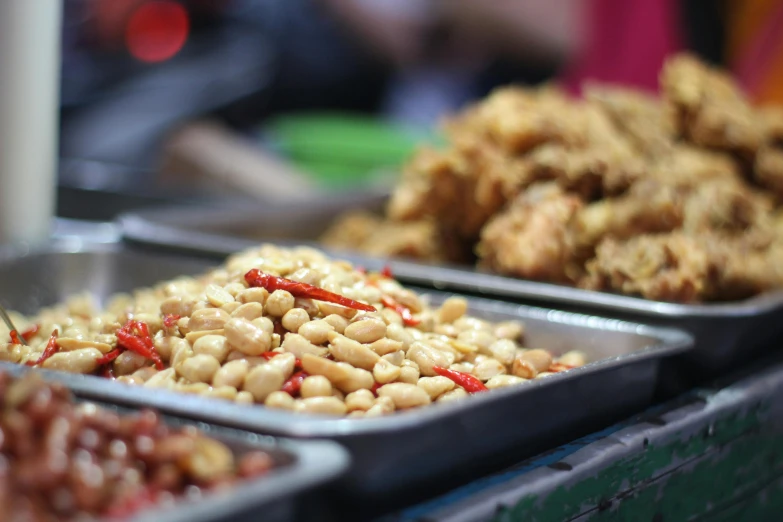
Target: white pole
29,107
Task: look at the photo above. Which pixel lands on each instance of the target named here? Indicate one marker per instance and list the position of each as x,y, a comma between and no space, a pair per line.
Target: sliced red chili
466,380
375,387
51,349
170,320
135,336
559,367
257,278
269,355
402,310
294,383
107,372
386,272
110,356
30,332
15,337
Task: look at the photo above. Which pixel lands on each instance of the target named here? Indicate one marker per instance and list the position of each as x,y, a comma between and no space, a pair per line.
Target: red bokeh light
157,31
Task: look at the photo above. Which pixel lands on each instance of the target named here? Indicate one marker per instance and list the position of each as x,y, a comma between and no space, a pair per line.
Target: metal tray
680,442
725,333
399,455
304,466
293,221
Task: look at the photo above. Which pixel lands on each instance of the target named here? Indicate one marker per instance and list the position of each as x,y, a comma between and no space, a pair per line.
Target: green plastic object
342,150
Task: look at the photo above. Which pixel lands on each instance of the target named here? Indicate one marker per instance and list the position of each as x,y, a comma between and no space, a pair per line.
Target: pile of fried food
62,461
288,328
673,198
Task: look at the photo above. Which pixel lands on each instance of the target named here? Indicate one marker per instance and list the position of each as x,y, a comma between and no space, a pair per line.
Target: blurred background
166,101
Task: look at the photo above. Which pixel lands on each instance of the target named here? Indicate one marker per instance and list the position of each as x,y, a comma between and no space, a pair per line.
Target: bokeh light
157,31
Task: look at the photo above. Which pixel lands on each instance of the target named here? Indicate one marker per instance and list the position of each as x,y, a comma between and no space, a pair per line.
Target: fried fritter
687,165
638,116
460,188
668,267
530,239
365,232
669,198
519,120
604,165
707,108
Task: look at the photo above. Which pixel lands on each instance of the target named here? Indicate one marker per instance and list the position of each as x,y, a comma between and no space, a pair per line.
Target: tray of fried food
66,459
662,209
323,349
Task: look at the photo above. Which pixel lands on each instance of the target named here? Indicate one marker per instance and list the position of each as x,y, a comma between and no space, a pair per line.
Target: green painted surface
674,479
766,505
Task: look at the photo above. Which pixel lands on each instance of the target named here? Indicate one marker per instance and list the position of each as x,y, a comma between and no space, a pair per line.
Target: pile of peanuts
217,336
61,461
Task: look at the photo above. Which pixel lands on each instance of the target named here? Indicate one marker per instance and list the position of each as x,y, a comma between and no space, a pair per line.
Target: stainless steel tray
679,442
293,221
725,333
304,466
402,454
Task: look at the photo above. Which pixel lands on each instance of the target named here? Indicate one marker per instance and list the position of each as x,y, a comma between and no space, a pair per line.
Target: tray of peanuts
67,459
289,342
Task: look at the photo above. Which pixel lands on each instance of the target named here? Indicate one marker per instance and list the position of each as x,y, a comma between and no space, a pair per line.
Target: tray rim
665,342
139,227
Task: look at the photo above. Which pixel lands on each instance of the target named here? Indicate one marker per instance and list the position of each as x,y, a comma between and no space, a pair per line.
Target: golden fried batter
362,231
638,116
707,108
530,238
666,267
668,198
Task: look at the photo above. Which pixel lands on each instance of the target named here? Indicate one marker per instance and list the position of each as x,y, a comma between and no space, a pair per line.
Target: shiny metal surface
305,466
403,453
724,332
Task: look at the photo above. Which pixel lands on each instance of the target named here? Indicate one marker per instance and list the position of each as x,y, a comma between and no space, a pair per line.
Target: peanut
247,337
352,352
404,395
263,380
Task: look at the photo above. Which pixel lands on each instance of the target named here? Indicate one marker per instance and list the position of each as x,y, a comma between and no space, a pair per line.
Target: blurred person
446,52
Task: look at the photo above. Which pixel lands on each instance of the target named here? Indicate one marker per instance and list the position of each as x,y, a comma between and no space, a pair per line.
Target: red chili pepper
110,356
135,336
404,311
26,335
257,278
15,337
170,320
30,332
51,349
466,380
559,367
386,272
294,383
107,372
375,387
269,355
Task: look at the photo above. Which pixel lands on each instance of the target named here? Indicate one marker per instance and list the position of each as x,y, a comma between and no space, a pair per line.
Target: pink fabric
625,42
